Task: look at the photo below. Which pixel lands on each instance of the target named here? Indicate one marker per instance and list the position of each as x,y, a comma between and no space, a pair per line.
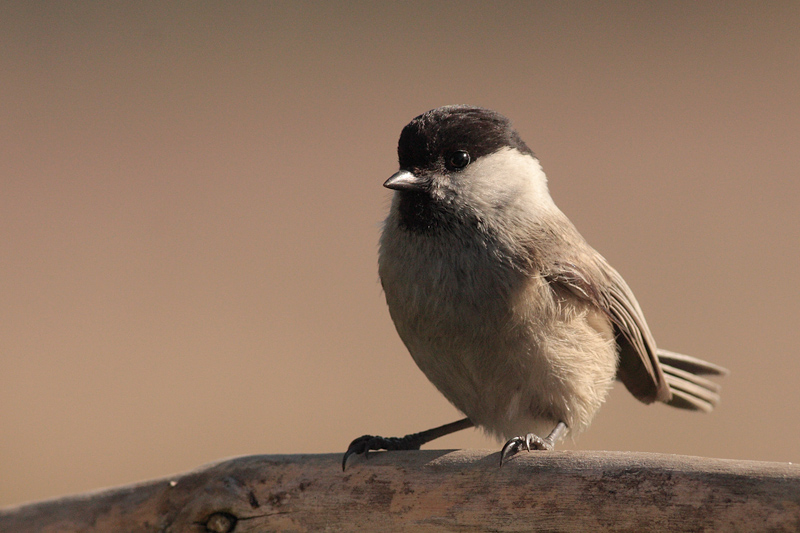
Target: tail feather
682,400
691,364
692,378
689,390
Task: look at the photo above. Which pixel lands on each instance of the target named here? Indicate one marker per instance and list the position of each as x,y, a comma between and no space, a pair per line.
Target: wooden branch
441,490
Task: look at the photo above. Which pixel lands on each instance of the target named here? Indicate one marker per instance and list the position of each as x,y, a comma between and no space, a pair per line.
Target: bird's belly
513,365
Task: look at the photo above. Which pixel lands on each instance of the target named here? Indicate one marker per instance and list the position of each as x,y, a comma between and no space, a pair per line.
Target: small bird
503,305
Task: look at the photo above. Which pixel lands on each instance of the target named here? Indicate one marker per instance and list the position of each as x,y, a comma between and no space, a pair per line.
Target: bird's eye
458,160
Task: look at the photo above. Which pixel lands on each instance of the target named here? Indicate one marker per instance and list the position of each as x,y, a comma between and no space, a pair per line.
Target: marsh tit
503,305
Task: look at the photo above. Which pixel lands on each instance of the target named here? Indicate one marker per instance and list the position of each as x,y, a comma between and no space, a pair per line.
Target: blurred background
190,203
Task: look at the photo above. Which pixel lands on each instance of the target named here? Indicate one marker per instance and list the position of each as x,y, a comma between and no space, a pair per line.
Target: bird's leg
532,442
410,442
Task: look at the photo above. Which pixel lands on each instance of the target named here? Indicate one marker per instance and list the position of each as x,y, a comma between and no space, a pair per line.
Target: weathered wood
441,490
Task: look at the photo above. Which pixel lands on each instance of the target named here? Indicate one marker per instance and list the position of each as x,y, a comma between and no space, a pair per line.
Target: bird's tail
689,389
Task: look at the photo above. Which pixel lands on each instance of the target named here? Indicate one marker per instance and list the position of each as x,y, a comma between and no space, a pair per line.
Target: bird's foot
365,444
409,442
529,442
532,442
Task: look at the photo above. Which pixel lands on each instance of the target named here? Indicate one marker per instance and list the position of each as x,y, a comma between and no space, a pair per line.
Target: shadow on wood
440,489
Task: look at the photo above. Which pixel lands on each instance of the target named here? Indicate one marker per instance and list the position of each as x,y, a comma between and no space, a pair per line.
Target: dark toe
510,448
362,445
367,443
529,442
535,442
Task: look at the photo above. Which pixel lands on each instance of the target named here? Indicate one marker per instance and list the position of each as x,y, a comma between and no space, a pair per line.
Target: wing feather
649,373
639,367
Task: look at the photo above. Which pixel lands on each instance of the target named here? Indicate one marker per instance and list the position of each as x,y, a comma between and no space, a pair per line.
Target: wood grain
434,490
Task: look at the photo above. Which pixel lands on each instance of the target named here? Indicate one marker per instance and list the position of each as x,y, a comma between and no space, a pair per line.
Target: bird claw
529,442
366,443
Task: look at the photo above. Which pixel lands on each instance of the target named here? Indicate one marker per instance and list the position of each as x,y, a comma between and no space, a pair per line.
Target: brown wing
597,282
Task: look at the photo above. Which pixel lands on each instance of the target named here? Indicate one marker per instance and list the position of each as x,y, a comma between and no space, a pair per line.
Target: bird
503,305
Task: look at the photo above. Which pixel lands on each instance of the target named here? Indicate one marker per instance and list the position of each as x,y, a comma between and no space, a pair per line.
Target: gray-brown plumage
501,302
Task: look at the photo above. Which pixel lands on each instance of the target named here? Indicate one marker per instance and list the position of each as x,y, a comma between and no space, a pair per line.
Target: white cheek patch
504,179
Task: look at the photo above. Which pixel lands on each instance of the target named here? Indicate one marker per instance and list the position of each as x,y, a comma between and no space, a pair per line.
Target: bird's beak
404,180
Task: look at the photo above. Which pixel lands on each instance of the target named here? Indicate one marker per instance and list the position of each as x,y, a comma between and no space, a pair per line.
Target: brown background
190,201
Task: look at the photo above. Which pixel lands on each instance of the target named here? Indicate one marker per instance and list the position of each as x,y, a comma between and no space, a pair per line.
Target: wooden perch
431,490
